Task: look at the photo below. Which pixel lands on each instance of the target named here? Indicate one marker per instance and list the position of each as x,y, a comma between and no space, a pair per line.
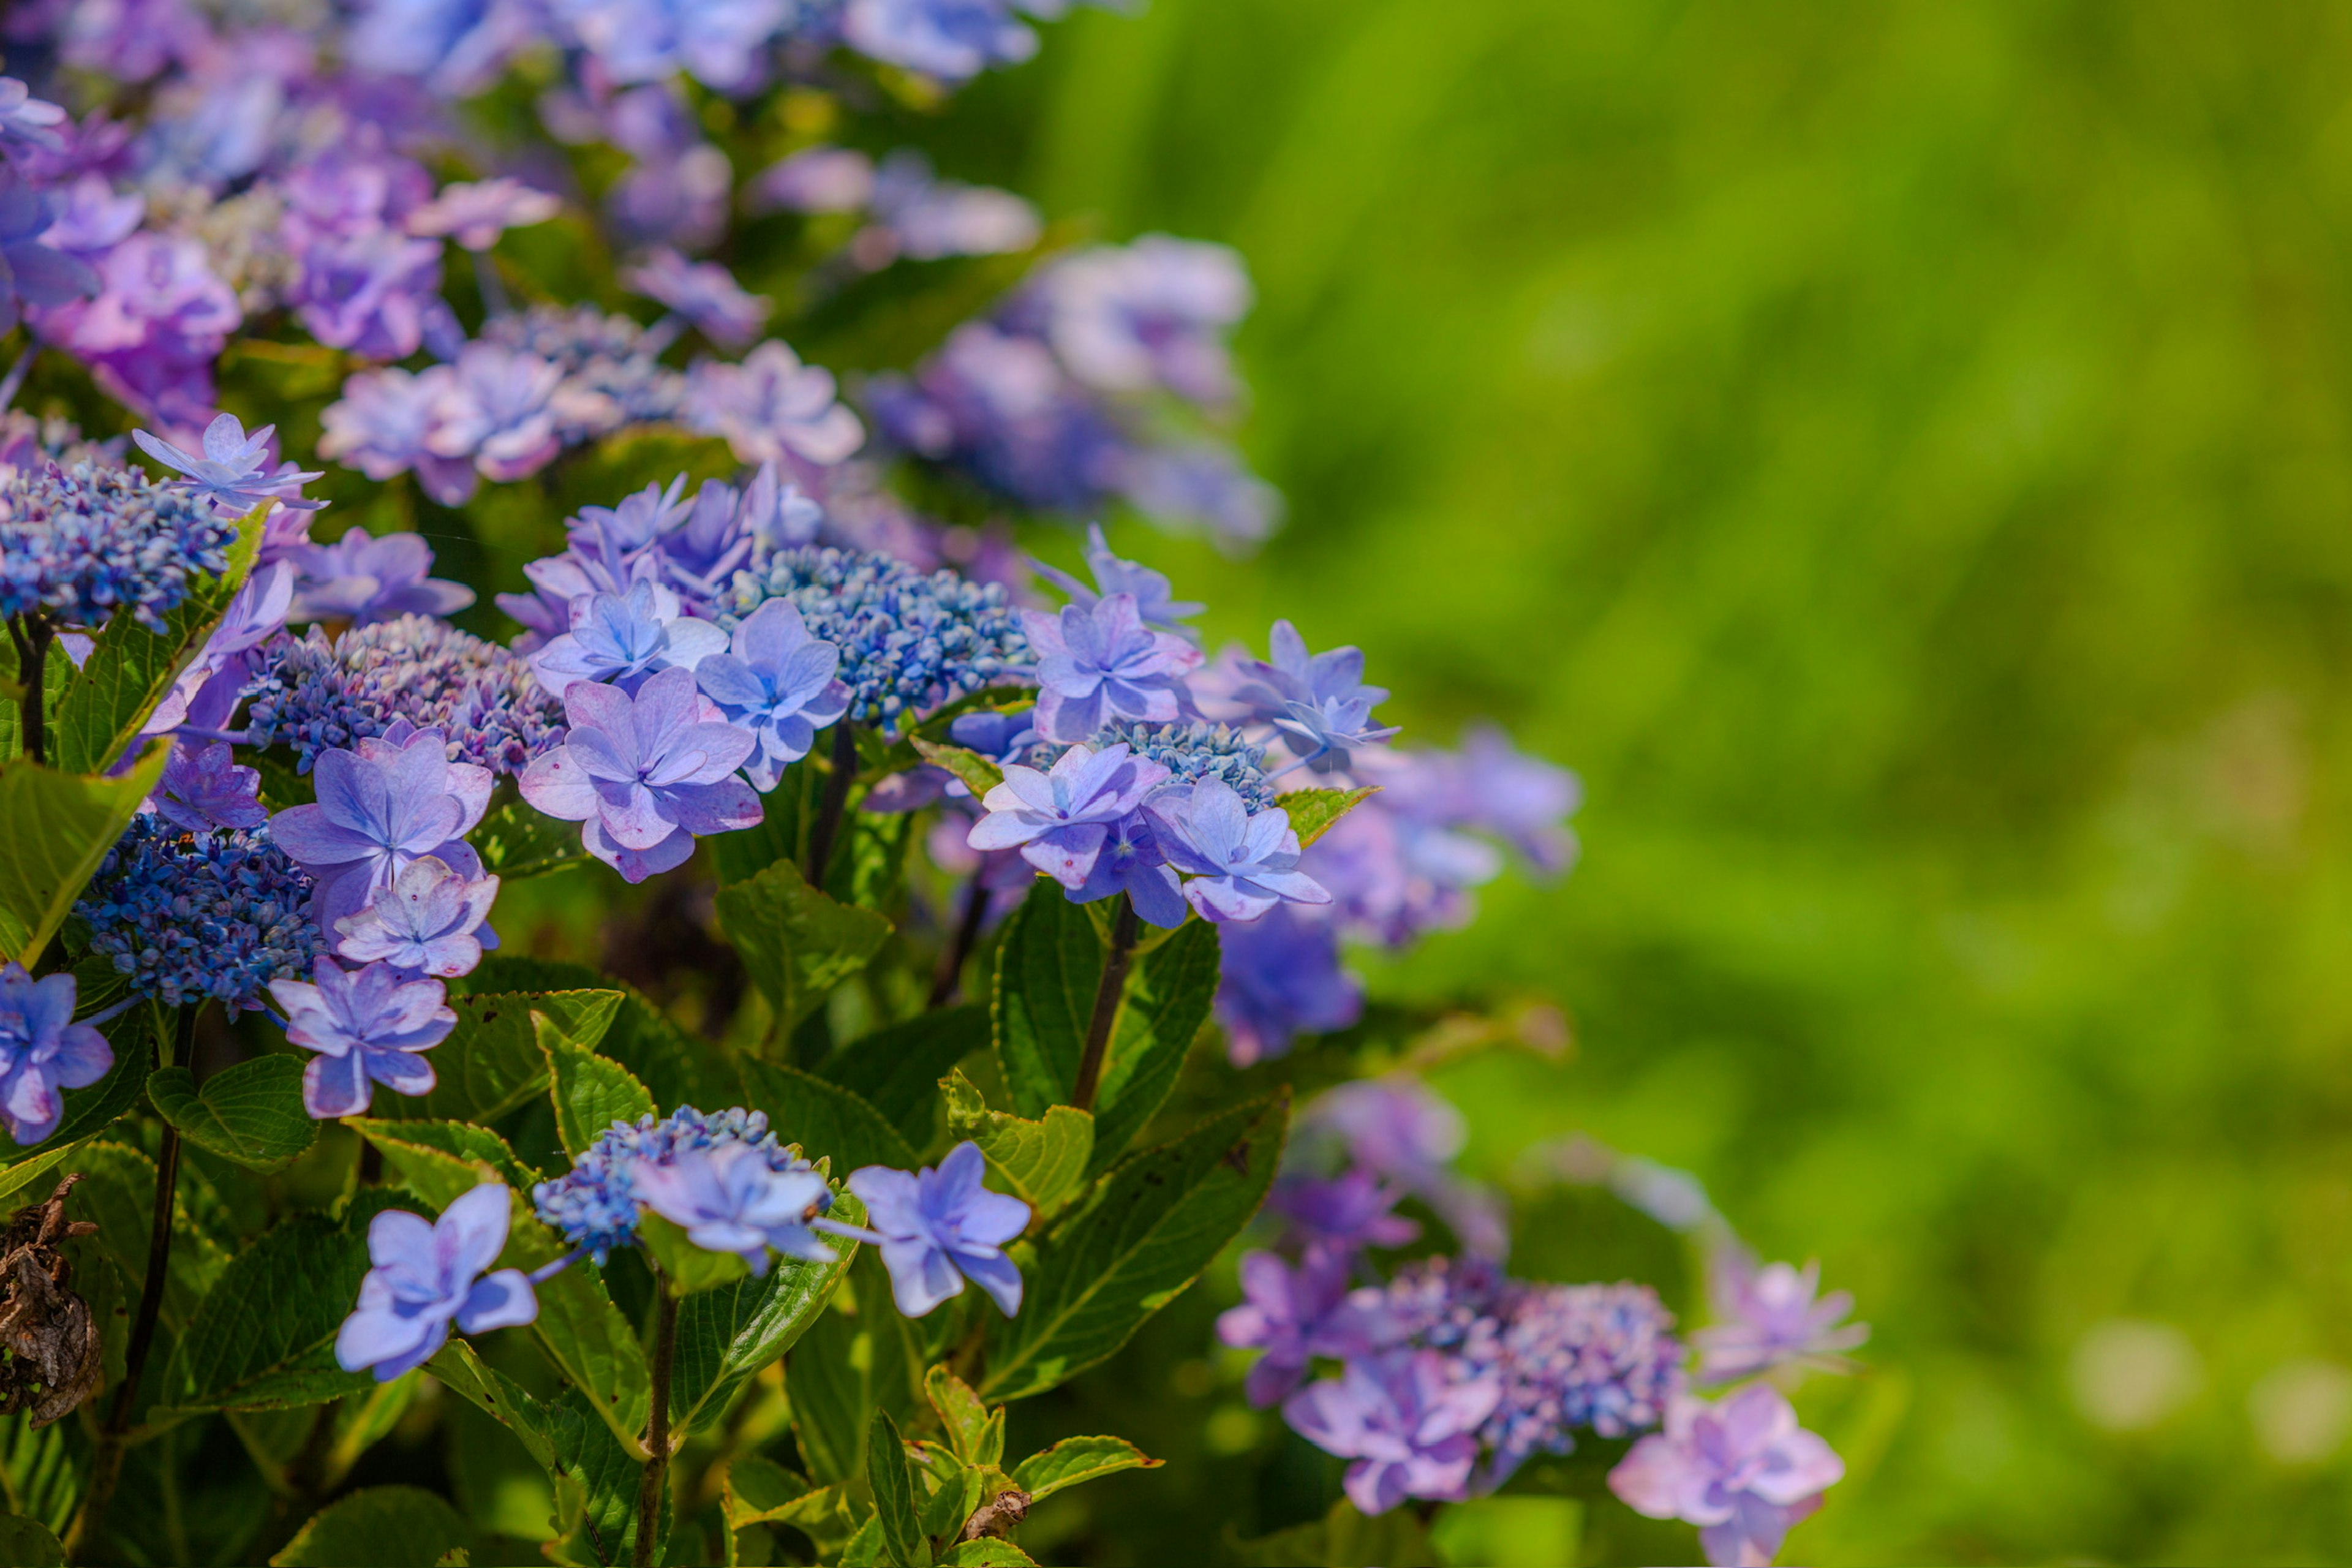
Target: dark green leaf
518,842
57,674
823,1119
1041,1161
592,1092
442,1161
497,1397
1342,1539
1314,811
796,942
759,1490
679,1069
1169,993
117,1192
1075,1459
988,1552
250,1112
978,774
54,830
397,1526
894,1494
779,834
1153,1223
725,1336
597,1481
492,1063
854,1359
594,1347
27,1543
1046,971
897,1069
975,1432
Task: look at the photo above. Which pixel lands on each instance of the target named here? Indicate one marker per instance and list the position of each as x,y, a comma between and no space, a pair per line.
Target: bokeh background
1900,455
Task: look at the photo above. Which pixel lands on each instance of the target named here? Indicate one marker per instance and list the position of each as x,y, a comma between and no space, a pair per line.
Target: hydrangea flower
777,682
1742,1470
1200,486
32,273
1153,313
368,1026
1281,977
383,804
1293,1316
718,42
229,473
608,362
951,39
771,409
1241,866
1574,1357
704,293
456,47
382,426
83,542
475,213
1061,820
997,405
1769,1316
1343,1214
1098,664
646,774
364,577
1156,605
42,1051
29,122
595,1203
1319,703
367,292
203,788
425,923
1130,862
816,179
427,1275
1407,1425
624,639
509,411
938,1228
192,915
732,1199
1193,751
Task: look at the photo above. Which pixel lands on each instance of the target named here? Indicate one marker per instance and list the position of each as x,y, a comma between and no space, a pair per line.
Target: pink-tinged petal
603,755
724,748
1218,899
665,704
1067,854
556,784
469,785
589,705
336,1086
312,838
32,1105
636,865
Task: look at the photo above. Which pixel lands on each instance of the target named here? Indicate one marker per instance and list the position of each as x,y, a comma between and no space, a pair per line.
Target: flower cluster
596,1203
43,1051
78,543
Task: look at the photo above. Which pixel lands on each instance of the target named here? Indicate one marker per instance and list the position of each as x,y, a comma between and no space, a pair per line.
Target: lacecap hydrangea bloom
79,544
192,915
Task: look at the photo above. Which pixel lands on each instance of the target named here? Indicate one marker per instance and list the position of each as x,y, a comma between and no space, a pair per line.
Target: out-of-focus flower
923,218
230,474
364,578
366,290
717,42
1198,486
1280,978
1156,605
29,122
1061,820
1768,1316
935,1228
475,213
1153,314
456,47
1293,1316
32,273
816,179
771,409
203,788
424,924
1407,1425
368,1026
705,293
1098,664
777,682
951,39
383,805
509,411
1742,1469
42,1051
1241,866
382,424
427,1275
731,1199
91,219
1343,1214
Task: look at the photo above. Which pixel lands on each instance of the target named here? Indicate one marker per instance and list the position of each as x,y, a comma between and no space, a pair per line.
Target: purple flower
646,774
92,220
1241,866
777,682
1742,1470
705,293
366,290
1409,1429
624,639
203,788
731,1199
43,1050
816,179
925,218
1293,1316
26,121
457,47
230,471
1281,978
1060,820
936,1229
380,426
1392,1127
1130,862
367,1026
1150,314
951,39
1199,485
425,1276
1320,703
364,578
1097,664
392,800
1768,1316
771,409
718,42
475,213
508,410
30,272
423,923
1341,1216
1156,605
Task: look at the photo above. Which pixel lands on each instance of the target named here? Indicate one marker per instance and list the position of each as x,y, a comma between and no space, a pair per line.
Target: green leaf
725,1336
1153,1223
397,1526
1046,971
1314,812
988,1552
866,1548
796,942
518,842
117,1192
975,1432
591,1092
852,1360
1168,995
250,1112
595,1347
109,698
897,1070
497,1396
263,1338
1342,1539
54,830
441,1161
1042,1163
27,1543
1075,1459
758,1491
894,1494
823,1119
679,1069
978,774
597,1481
492,1063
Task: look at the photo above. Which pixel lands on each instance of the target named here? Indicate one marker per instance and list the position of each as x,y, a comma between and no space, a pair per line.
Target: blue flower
1294,1317
951,39
230,473
1155,602
1061,820
935,1228
1320,704
1130,862
367,1026
705,293
30,272
385,803
1153,314
192,915
733,1199
1195,750
43,1050
1241,866
720,42
380,426
203,788
365,577
625,640
80,543
428,1275
595,1203
27,122
611,356
1408,1424
1099,663
771,409
475,213
1281,978
777,682
423,923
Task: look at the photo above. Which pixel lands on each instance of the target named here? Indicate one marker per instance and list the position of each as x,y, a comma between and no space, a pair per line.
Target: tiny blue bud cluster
82,542
595,1203
910,642
1191,752
193,915
483,698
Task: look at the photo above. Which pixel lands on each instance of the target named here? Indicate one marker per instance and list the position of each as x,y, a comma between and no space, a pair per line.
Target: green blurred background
1900,455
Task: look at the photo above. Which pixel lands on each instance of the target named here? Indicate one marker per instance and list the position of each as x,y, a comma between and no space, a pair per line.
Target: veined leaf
797,942
1041,1161
897,1070
492,1063
1168,995
679,1069
725,1336
399,1527
250,1112
977,773
975,1431
518,842
596,1483
55,828
497,1396
440,1162
988,1552
1046,971
1314,812
1153,1223
1075,1459
894,1494
27,1543
591,1092
822,1118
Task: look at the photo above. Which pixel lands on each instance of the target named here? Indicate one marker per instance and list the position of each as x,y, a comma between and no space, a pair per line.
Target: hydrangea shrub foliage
978,981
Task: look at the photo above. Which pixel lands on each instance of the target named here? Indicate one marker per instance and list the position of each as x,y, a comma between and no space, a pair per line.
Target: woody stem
1123,931
950,970
829,811
649,1489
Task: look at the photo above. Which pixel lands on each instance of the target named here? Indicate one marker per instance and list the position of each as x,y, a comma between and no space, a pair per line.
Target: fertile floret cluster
318,695
909,642
1191,752
596,1203
193,915
81,542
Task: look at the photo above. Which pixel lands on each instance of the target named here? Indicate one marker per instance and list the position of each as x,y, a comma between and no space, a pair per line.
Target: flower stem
1123,932
829,811
649,1490
90,1525
32,635
950,970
